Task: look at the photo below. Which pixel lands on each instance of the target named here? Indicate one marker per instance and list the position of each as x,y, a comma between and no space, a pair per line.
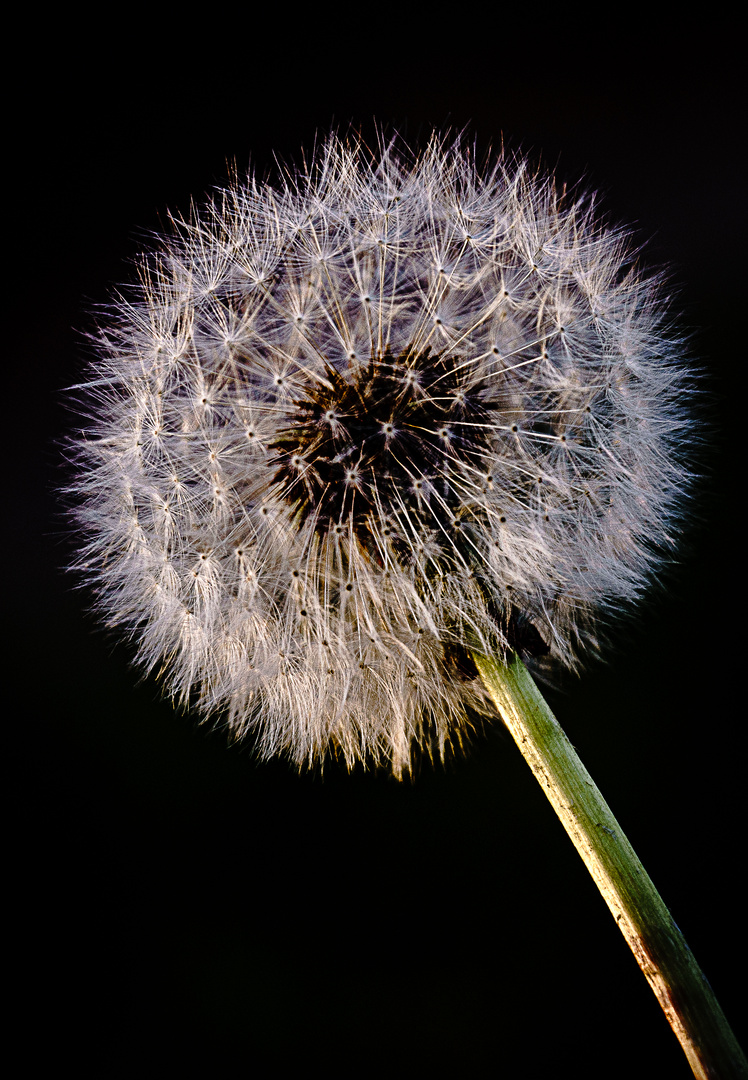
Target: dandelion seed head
356,425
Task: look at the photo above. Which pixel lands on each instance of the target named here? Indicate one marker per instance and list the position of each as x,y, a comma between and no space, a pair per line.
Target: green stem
658,945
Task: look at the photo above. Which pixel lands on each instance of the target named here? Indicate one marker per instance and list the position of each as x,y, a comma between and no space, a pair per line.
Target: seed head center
394,449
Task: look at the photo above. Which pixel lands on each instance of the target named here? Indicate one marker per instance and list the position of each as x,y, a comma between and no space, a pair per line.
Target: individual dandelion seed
363,439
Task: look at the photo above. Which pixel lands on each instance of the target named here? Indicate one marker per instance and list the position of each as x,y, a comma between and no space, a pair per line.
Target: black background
182,906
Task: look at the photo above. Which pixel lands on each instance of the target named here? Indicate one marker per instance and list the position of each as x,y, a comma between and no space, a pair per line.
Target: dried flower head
356,425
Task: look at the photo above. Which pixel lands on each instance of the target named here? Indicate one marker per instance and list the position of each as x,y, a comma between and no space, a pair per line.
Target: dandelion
363,439
354,423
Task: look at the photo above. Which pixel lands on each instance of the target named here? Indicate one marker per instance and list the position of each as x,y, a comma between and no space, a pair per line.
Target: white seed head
356,425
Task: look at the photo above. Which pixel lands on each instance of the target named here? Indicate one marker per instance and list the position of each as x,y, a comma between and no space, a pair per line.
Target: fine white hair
353,426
